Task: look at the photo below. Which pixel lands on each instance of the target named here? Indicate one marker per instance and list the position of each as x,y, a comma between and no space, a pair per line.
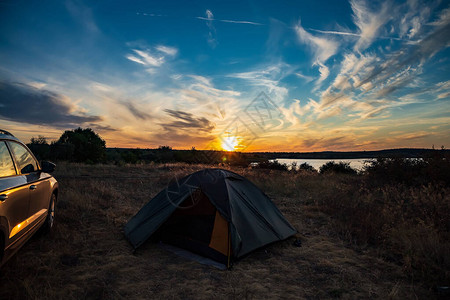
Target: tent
215,213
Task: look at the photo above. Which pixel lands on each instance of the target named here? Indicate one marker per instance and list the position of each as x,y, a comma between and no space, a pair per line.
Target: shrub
306,167
165,148
130,157
340,167
272,165
411,171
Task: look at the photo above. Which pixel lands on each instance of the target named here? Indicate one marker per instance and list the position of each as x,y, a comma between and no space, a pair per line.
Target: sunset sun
229,143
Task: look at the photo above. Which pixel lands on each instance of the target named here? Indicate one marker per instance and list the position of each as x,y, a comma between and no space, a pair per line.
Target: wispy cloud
83,15
277,31
185,128
135,111
374,113
212,36
371,83
167,50
147,59
304,77
241,22
150,14
369,21
210,17
353,67
336,142
397,81
136,59
324,72
336,32
204,80
413,136
293,112
442,19
414,17
268,78
412,55
443,88
152,58
185,120
322,48
357,35
205,19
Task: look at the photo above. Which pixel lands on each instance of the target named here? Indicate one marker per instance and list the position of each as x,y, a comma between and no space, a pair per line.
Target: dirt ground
88,257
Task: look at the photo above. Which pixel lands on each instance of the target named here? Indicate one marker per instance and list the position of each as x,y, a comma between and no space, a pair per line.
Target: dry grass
87,256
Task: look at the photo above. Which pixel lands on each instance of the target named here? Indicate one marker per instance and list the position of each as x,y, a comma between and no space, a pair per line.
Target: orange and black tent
215,213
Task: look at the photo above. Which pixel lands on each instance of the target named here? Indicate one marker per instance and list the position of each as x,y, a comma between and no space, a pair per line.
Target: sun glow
229,143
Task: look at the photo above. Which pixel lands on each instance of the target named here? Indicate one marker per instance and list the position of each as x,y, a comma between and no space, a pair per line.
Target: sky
234,75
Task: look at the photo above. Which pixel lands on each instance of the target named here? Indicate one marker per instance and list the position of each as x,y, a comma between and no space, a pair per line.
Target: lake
355,163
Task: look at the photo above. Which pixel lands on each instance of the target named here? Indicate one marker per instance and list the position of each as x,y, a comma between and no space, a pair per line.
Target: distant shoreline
386,153
403,152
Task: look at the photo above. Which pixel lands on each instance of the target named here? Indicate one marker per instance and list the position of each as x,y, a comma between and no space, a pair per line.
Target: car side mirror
47,166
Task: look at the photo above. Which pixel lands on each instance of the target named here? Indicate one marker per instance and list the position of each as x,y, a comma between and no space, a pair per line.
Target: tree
39,147
84,144
40,140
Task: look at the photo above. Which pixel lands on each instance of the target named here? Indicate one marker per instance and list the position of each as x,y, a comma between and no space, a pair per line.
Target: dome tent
213,212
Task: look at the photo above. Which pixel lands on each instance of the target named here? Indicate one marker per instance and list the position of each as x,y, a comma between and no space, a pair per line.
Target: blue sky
319,75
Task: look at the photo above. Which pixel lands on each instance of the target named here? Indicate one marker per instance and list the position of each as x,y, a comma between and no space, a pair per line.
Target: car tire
50,221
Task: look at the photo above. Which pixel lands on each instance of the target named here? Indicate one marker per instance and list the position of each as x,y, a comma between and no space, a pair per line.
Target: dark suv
28,195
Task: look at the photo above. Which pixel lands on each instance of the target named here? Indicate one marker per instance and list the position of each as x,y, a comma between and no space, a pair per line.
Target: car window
6,162
25,161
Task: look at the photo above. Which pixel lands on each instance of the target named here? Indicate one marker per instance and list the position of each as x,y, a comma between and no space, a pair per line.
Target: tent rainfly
215,213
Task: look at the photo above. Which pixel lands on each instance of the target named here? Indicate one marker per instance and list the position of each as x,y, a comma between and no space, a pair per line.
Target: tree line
86,146
78,145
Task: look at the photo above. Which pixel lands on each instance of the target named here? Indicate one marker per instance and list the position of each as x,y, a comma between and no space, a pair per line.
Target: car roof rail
6,132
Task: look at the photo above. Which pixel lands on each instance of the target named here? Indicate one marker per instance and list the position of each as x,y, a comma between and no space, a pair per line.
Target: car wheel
50,221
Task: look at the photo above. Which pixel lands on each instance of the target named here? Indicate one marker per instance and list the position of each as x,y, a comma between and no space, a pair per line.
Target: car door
14,199
38,186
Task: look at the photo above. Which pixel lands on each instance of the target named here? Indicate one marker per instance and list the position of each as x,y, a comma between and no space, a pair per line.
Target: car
28,195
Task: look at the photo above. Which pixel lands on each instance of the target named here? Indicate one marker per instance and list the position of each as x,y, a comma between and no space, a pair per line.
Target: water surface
355,163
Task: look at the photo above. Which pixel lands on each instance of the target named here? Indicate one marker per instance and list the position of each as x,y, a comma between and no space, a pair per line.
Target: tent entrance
197,226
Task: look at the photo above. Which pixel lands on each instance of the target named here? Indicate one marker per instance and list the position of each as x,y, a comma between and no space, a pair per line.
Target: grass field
359,240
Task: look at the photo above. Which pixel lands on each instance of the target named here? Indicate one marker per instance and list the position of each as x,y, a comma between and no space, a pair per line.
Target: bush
307,167
411,171
272,165
165,148
340,167
130,157
80,145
